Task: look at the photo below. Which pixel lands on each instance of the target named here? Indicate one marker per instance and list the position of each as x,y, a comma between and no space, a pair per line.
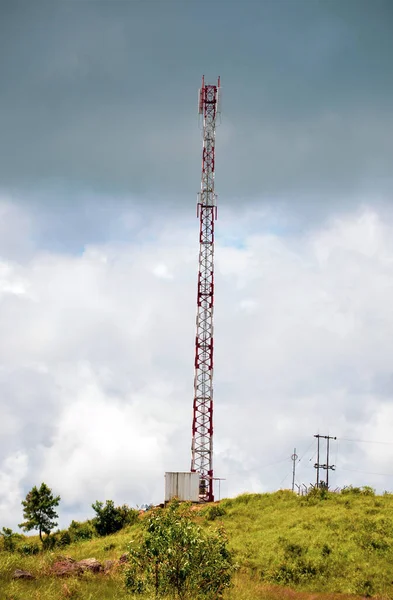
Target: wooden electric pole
326,466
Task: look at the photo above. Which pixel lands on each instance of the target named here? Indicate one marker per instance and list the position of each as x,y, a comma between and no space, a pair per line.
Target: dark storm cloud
102,96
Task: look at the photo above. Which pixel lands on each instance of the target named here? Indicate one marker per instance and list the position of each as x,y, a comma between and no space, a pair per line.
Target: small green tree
178,558
39,510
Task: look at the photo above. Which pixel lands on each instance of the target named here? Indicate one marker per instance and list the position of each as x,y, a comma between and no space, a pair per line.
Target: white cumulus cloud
96,354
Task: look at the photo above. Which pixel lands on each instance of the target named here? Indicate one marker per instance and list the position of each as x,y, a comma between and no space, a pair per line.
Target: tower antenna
202,422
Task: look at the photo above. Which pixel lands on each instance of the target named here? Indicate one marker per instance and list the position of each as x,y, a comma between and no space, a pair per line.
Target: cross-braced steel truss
202,425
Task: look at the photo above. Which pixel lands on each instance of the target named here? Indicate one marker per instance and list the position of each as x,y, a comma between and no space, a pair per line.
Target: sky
100,158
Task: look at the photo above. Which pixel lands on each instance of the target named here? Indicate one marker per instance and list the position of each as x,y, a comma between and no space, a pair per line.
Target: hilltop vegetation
320,542
332,543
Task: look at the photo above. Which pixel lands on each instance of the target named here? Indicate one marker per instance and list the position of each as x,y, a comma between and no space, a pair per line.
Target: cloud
16,227
12,472
99,155
111,445
97,358
103,101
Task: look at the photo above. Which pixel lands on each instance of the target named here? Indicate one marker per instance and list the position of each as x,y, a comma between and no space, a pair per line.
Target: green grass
343,543
287,547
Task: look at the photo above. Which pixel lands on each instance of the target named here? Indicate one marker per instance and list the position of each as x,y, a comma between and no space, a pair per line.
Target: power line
365,441
284,478
304,454
368,472
274,463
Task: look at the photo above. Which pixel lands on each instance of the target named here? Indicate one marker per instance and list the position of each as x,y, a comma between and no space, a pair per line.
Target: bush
366,490
80,531
365,588
178,558
9,539
293,550
212,512
49,542
298,571
129,515
317,493
64,539
29,549
372,540
110,518
326,550
109,547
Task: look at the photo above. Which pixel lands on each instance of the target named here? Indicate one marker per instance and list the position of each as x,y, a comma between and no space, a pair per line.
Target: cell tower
202,423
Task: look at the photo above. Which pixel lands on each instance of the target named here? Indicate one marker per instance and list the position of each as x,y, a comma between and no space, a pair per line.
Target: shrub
29,549
109,547
366,490
212,512
366,588
50,542
129,516
64,539
326,550
80,531
9,539
317,493
178,558
293,550
372,540
110,518
297,571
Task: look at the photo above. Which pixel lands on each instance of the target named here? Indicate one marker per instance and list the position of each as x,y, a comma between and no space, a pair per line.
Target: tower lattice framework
202,423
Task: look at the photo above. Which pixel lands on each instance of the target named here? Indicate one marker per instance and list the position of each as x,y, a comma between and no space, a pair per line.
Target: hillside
342,543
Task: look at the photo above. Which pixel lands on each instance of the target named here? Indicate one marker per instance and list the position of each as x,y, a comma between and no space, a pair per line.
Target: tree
39,510
178,558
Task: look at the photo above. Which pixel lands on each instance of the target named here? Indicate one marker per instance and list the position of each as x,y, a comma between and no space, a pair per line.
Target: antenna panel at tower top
203,96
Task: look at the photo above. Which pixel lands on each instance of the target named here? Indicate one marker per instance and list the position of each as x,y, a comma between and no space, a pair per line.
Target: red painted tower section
202,423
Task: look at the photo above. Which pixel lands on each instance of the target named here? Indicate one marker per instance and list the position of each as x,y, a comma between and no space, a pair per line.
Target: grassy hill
285,546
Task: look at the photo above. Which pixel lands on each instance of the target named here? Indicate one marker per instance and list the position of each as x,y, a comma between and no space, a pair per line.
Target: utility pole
327,462
294,458
327,467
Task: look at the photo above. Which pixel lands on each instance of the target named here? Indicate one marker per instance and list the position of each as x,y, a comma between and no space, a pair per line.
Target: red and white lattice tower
202,423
